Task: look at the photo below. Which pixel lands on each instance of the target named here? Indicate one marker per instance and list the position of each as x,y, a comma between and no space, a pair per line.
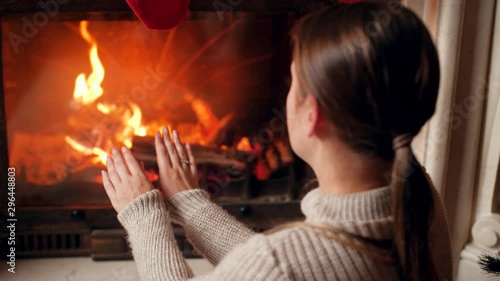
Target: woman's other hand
124,179
177,166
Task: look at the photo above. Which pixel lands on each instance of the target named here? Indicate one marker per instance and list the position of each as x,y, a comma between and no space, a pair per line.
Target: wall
460,147
484,233
461,144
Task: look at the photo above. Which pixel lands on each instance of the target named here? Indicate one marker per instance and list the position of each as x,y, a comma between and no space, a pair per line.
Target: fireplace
92,77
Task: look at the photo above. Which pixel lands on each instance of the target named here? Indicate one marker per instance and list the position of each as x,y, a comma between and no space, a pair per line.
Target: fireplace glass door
82,83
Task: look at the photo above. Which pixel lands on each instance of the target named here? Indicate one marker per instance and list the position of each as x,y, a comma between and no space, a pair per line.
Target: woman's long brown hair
374,71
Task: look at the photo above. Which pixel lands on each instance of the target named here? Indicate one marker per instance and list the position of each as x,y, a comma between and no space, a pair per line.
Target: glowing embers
244,145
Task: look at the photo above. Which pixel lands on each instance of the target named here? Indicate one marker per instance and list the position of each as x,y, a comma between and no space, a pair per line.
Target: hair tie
400,141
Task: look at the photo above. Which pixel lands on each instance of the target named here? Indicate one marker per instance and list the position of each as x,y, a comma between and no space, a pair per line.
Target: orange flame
129,118
135,121
105,108
244,145
132,121
101,154
203,112
87,90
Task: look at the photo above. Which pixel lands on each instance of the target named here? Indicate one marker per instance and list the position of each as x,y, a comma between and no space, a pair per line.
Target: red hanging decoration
160,14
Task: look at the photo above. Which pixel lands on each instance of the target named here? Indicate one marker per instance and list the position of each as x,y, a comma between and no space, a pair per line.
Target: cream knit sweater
290,254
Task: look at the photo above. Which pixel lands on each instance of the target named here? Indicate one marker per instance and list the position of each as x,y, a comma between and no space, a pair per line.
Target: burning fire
135,122
87,90
244,145
97,124
128,119
88,151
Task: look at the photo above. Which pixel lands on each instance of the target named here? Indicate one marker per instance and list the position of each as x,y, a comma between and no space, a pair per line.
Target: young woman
362,87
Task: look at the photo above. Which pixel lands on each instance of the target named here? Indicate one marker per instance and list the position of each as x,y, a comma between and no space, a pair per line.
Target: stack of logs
144,150
262,160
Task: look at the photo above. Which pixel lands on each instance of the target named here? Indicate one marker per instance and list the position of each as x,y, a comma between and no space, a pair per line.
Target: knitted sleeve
158,258
210,229
152,240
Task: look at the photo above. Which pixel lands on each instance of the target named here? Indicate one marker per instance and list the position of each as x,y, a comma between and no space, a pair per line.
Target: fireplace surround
233,77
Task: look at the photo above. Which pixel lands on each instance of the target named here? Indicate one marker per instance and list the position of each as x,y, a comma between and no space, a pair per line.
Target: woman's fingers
125,180
113,175
192,161
172,152
176,176
181,151
120,165
162,154
108,186
130,161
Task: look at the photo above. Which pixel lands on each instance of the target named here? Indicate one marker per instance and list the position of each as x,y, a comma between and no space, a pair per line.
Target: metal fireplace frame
45,232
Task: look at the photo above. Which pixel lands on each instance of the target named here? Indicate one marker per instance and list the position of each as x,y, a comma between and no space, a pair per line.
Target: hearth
92,77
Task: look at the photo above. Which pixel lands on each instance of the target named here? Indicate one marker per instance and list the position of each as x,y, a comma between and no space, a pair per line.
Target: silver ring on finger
184,161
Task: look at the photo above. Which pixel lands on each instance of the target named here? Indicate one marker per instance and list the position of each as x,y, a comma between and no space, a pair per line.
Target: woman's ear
314,116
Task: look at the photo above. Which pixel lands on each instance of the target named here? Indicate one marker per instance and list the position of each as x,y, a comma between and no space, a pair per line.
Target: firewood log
144,150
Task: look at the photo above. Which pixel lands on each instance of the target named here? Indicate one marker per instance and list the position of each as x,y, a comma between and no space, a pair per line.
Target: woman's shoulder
300,252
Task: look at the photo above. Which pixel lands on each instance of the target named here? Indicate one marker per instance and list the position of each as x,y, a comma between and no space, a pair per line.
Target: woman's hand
177,166
125,179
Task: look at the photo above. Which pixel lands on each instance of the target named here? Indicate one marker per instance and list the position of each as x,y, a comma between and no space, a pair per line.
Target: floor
81,269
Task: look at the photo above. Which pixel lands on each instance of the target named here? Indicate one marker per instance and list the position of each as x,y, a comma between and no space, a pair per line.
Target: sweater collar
366,213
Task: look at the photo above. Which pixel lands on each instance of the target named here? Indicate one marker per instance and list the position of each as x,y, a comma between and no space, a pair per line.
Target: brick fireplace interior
93,77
